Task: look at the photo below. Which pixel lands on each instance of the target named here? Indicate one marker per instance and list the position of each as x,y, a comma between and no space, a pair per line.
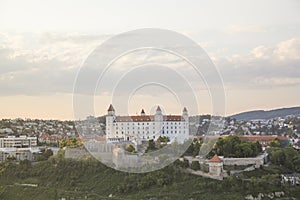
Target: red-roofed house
215,166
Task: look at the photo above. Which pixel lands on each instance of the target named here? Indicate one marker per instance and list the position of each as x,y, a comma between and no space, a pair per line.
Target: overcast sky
254,44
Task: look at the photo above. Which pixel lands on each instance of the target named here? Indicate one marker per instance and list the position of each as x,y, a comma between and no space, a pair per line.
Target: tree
189,150
71,142
48,153
275,143
196,149
195,165
130,148
44,155
278,157
163,139
233,146
151,146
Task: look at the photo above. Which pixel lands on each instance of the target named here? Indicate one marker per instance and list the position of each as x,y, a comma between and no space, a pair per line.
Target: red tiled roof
173,118
147,118
111,108
262,137
134,118
215,159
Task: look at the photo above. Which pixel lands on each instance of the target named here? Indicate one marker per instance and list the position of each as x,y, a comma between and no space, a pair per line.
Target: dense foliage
287,157
44,155
130,148
70,142
233,146
58,177
194,148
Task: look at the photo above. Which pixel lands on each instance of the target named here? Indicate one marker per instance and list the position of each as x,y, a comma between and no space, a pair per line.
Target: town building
265,140
18,142
215,166
292,179
145,127
18,148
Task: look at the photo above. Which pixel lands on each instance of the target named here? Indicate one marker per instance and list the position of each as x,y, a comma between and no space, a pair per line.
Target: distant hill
270,114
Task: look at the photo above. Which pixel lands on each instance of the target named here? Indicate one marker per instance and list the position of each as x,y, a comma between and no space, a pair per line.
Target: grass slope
90,179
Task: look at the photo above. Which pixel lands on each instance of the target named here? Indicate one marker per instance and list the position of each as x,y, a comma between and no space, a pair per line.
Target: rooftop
215,159
145,118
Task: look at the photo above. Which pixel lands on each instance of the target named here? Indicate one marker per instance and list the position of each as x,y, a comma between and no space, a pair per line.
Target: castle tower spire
111,110
142,112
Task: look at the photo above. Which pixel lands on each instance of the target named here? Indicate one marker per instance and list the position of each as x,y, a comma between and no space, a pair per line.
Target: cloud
277,81
264,66
47,63
246,28
42,63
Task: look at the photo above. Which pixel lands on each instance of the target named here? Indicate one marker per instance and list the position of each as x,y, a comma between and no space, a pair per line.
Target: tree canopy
233,146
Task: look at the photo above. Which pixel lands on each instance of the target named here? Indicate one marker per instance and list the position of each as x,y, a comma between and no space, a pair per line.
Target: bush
195,165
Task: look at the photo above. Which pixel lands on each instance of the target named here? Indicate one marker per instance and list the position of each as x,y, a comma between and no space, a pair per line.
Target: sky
255,46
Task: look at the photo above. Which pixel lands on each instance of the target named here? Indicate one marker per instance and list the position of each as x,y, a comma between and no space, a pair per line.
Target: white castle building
145,127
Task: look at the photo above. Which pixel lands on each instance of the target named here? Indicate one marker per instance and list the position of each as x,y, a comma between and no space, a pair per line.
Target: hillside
89,179
265,115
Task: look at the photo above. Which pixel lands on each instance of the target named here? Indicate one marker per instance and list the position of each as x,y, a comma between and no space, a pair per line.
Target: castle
146,127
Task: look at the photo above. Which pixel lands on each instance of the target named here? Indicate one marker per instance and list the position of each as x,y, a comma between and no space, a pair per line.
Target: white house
145,127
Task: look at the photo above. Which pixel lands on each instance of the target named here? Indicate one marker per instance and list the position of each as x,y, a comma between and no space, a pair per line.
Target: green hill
89,179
